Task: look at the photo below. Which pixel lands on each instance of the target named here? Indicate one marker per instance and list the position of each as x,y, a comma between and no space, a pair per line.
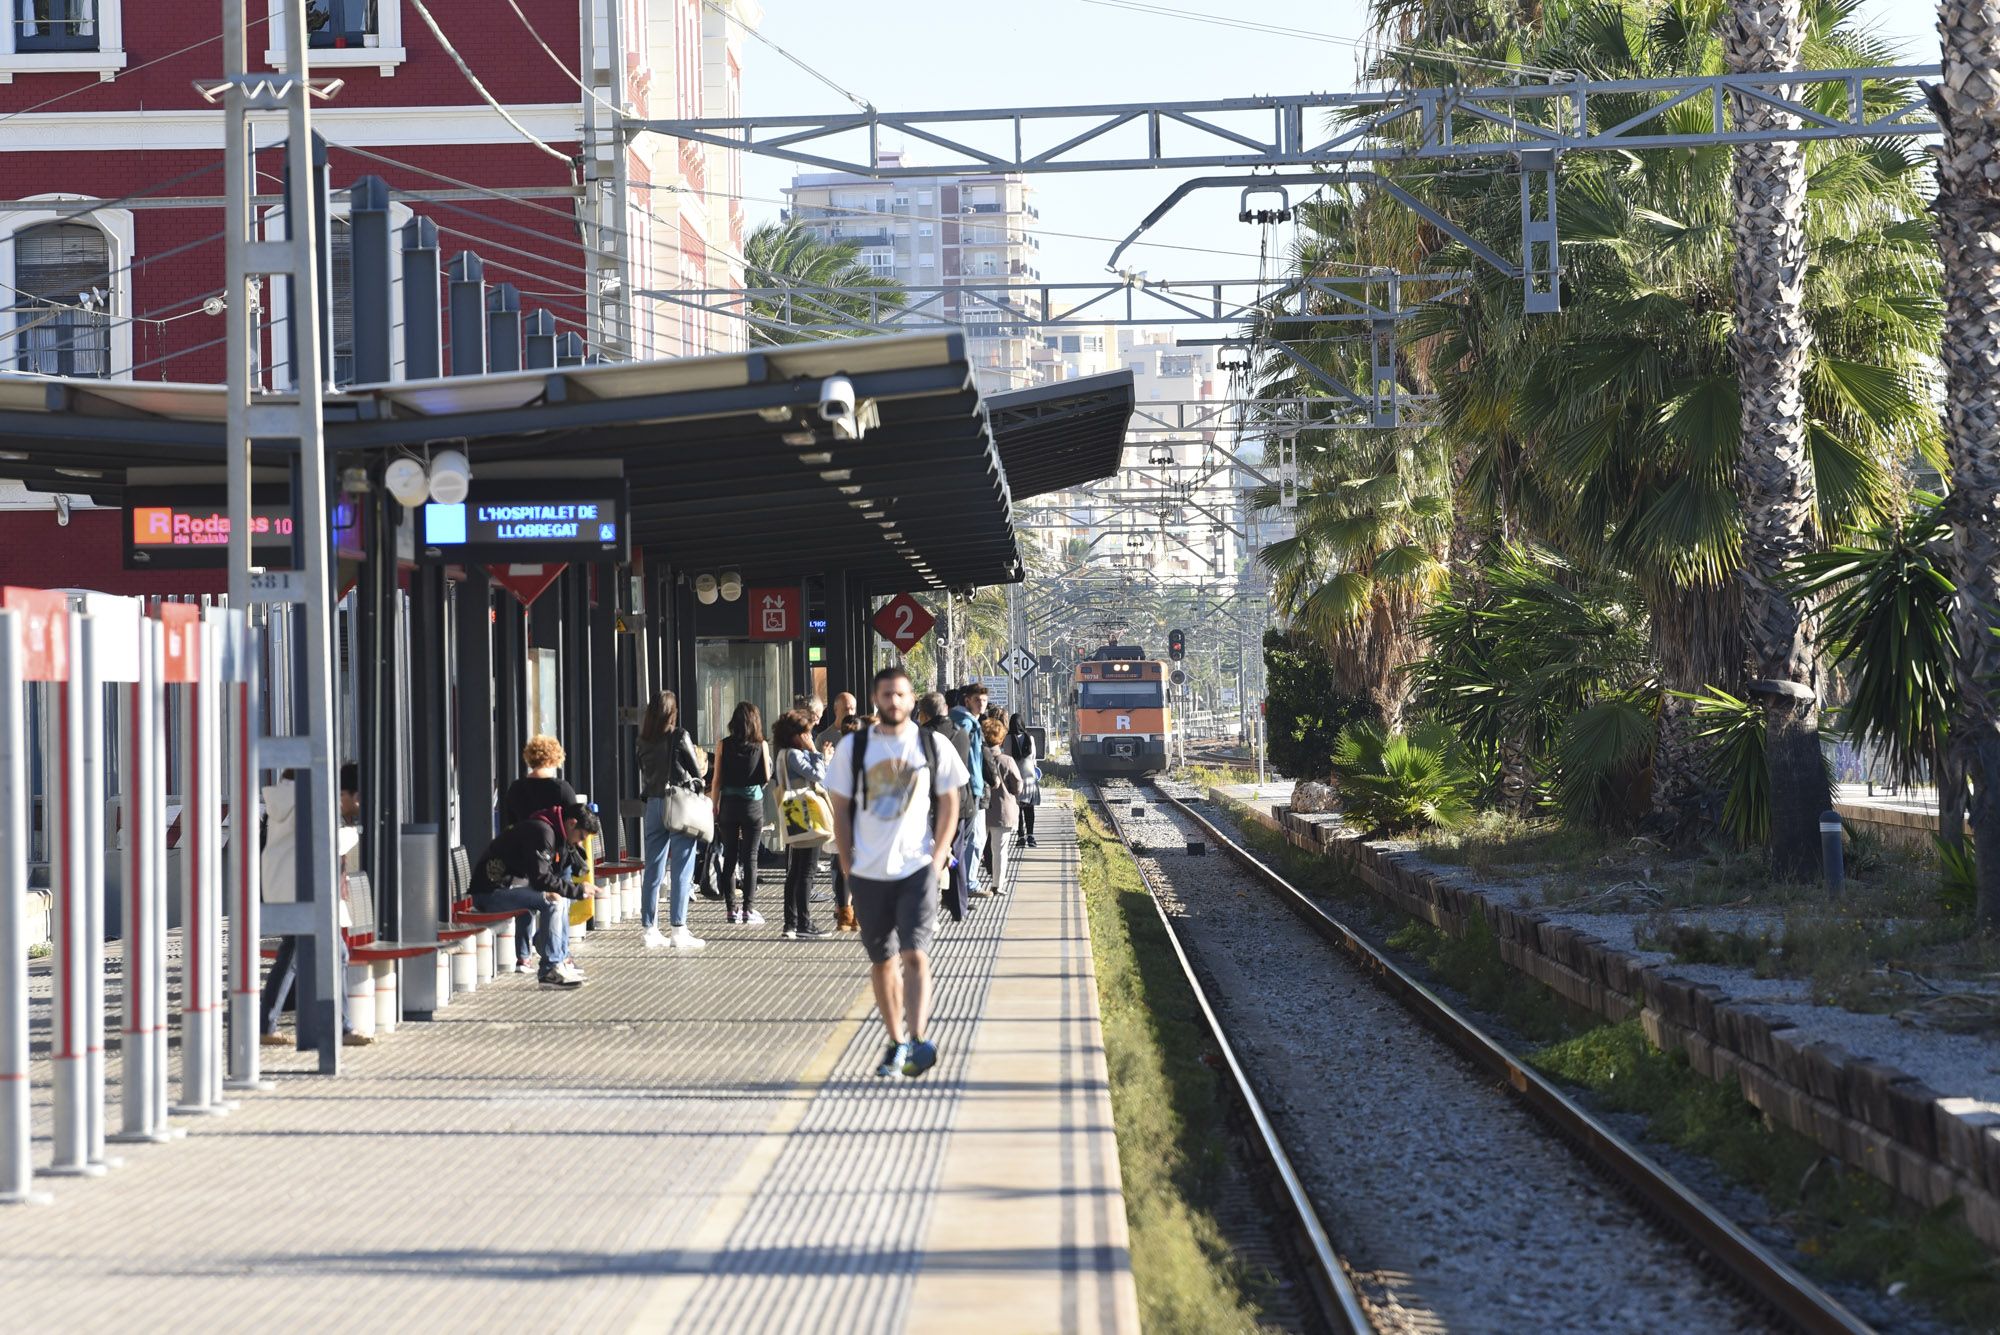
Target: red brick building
98,102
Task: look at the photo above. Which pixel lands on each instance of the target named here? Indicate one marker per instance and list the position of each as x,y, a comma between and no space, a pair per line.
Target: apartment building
954,241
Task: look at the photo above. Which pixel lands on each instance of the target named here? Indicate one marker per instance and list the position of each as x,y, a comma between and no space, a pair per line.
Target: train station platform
688,1142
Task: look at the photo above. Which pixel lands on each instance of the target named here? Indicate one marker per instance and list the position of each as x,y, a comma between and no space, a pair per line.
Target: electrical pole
248,259
608,303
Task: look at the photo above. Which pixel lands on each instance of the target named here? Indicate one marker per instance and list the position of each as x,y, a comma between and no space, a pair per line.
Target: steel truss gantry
993,307
1395,125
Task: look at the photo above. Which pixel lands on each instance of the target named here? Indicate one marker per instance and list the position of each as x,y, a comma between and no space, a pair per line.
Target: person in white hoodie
279,877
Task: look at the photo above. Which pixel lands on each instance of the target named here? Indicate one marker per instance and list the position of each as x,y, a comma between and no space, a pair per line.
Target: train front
1119,719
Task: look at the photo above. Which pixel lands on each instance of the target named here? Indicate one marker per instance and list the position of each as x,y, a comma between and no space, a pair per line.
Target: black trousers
1027,821
801,865
739,824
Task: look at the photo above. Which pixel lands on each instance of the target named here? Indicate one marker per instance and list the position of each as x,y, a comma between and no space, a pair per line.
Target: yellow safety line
662,1310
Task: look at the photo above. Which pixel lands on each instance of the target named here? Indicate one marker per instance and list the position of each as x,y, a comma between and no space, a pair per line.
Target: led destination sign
187,527
543,520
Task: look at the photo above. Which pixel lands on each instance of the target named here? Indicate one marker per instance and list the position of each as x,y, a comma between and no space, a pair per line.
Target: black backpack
859,784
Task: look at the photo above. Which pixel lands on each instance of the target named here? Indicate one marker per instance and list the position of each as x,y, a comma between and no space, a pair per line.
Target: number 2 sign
903,621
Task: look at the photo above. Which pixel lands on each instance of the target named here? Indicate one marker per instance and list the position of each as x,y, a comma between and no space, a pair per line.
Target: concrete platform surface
688,1142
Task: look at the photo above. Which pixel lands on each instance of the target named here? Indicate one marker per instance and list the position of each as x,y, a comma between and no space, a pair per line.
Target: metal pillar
503,328
539,341
475,686
299,257
17,1167
467,277
374,320
601,722
423,297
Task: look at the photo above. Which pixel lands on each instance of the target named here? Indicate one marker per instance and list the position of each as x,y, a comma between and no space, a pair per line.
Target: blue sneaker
897,1058
923,1056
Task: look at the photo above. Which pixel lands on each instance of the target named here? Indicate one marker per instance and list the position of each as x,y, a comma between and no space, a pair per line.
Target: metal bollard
360,1010
17,1168
141,807
87,669
1830,852
465,964
67,835
245,884
200,895
388,997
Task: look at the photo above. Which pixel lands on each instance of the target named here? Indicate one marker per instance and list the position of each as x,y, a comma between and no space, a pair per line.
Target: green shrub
1396,782
1304,712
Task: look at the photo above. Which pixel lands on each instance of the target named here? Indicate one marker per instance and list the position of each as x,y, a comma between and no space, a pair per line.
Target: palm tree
1772,345
1967,99
787,255
1609,433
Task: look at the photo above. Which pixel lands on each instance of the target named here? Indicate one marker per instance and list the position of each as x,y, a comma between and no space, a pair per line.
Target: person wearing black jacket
521,871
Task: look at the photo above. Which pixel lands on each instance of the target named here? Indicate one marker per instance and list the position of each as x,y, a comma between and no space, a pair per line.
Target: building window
881,261
924,197
62,281
340,275
342,32
342,23
1177,366
926,261
923,229
55,25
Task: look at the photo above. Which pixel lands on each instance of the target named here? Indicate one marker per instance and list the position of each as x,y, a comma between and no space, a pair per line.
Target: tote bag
806,815
689,813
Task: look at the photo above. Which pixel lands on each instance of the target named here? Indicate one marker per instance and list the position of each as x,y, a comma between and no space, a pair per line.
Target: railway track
1431,1179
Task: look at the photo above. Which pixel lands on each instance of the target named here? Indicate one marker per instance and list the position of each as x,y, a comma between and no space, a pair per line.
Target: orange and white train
1119,722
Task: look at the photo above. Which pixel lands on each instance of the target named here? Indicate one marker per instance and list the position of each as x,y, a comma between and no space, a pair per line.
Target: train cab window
1121,695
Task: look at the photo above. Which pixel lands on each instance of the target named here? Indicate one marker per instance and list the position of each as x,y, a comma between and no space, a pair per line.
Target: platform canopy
727,457
1058,436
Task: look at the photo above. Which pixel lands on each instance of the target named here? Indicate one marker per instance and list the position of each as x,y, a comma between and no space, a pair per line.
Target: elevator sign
542,521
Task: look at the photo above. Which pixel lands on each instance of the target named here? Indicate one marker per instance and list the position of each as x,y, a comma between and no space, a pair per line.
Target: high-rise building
952,240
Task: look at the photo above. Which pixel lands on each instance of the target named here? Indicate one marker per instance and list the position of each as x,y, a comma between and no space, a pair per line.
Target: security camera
836,398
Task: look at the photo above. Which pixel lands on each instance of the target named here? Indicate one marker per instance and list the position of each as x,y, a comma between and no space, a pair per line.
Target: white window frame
923,229
279,292
926,260
385,55
116,224
104,62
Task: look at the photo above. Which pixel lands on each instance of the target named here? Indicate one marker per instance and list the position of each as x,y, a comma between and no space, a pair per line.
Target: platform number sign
902,621
1176,645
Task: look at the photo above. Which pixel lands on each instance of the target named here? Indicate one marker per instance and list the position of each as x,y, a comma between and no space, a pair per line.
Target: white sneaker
752,918
653,939
570,971
683,939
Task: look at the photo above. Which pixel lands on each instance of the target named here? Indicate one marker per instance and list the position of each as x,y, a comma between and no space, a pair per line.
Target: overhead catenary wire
423,12
112,76
757,36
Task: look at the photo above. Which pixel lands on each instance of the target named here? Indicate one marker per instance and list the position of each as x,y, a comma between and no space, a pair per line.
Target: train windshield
1121,695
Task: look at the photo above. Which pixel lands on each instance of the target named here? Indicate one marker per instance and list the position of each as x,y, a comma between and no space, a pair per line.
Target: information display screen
534,521
181,528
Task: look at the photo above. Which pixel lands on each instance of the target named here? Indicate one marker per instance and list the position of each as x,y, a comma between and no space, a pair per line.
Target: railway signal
1176,645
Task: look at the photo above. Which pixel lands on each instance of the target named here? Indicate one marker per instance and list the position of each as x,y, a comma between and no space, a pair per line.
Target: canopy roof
1058,436
727,459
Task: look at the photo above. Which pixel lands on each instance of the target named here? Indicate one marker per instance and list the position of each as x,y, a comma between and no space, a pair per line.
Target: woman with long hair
804,767
736,786
1021,746
669,762
1003,807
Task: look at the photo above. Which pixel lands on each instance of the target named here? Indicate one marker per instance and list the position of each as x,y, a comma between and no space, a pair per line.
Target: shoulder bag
806,812
685,811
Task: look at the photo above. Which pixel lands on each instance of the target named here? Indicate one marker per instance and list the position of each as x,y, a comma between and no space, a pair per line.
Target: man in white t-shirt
895,807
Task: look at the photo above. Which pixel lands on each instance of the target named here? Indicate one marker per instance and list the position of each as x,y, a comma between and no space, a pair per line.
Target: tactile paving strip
833,1240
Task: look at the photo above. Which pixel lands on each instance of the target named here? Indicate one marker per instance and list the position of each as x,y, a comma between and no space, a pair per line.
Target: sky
919,55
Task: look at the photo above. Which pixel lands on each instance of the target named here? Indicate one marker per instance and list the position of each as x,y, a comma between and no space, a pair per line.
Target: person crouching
521,871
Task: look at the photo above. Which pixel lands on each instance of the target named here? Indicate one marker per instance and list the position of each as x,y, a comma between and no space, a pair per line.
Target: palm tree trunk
1968,213
1697,641
1772,344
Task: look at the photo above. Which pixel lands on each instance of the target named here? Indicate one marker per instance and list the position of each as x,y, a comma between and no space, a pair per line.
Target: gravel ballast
1454,1209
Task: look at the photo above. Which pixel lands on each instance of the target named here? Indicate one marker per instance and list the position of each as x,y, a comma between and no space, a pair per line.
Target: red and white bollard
17,667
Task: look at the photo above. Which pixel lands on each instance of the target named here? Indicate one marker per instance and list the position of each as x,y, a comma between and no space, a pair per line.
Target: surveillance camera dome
836,398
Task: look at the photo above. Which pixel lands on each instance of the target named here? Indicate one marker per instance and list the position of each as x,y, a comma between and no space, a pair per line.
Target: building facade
111,251
951,233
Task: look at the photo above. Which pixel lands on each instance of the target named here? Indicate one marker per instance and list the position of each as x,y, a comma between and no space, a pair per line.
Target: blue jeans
551,920
667,853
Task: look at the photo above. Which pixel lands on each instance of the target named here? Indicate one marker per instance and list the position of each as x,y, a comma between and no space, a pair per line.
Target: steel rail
1766,1277
1338,1303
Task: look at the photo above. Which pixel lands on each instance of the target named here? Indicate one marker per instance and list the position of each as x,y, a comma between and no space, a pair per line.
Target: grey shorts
896,915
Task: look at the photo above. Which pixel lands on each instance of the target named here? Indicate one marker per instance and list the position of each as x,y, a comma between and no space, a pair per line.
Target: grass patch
40,950
1167,1102
1471,963
1849,1225
1493,843
1206,777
